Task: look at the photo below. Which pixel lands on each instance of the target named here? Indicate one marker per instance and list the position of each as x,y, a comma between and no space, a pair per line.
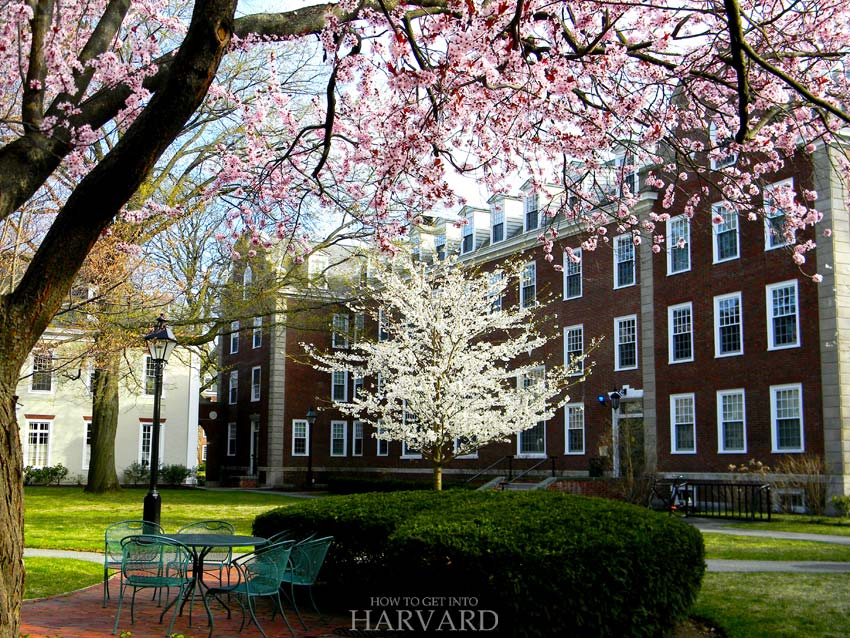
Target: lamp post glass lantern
311,419
160,344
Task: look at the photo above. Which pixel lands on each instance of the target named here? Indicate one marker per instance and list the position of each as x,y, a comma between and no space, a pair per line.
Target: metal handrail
524,472
489,467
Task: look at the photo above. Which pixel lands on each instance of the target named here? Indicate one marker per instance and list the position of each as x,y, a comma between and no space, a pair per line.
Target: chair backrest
282,535
306,560
154,559
117,532
262,569
208,527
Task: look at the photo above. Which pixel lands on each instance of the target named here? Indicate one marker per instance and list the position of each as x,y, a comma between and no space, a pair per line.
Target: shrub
547,564
339,484
174,474
136,473
841,505
807,474
52,474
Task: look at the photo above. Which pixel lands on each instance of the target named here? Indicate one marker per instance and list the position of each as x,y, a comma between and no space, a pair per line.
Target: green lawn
729,547
68,518
52,576
802,524
776,605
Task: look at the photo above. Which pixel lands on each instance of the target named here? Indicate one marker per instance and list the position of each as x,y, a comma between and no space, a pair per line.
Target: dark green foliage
136,473
342,484
174,474
50,475
548,564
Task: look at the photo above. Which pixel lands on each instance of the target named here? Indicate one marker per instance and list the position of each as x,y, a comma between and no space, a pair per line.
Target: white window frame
233,388
339,330
526,275
717,341
674,442
619,242
531,206
247,280
297,424
773,212
46,356
497,219
471,455
573,269
256,382
714,142
359,327
87,438
494,296
232,438
721,422
720,209
257,333
148,376
234,337
538,373
468,231
774,430
570,410
145,436
335,385
357,438
673,243
406,451
569,331
356,386
671,332
618,323
382,447
769,304
382,320
339,433
42,426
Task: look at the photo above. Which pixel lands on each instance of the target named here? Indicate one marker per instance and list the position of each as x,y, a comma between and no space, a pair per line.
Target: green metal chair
259,575
154,562
112,538
305,561
216,559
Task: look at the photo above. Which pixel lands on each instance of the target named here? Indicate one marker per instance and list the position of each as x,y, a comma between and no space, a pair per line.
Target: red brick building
720,348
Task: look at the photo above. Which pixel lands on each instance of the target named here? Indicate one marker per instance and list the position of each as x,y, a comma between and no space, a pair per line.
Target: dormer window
498,228
440,246
468,237
317,266
721,156
629,176
532,212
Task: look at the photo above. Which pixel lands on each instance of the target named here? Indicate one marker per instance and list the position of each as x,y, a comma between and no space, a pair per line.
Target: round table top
217,540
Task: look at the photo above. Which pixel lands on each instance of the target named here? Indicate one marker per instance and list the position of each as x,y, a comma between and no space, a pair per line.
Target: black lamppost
160,344
311,419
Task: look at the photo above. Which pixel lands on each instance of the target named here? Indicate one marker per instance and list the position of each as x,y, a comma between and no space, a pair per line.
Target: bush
136,473
53,474
547,564
174,474
338,484
841,505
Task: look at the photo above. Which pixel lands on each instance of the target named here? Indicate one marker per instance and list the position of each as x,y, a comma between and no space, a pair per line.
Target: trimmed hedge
546,563
344,484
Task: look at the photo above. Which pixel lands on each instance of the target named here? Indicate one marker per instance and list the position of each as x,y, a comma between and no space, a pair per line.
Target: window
572,274
257,333
38,444
468,242
300,437
678,244
624,261
231,439
731,421
359,327
786,417
339,441
339,335
317,266
494,296
721,156
775,234
42,372
150,376
682,424
383,444
233,389
629,175
470,444
407,451
256,377
498,227
532,442
440,246
383,335
357,438
146,435
339,386
680,328
574,419
728,327
247,280
725,230
356,387
625,335
528,285
532,212
234,337
574,349
86,445
783,319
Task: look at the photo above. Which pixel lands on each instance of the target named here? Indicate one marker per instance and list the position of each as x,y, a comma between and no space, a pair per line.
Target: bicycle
676,496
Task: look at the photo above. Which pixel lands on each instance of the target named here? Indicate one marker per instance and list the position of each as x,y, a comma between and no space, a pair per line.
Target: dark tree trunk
102,475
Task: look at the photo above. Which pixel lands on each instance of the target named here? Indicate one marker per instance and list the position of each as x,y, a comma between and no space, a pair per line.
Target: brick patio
80,615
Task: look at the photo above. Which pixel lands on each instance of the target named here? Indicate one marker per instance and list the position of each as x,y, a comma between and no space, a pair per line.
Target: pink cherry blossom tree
714,96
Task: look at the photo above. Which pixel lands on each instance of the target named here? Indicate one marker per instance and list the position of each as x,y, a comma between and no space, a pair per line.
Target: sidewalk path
720,527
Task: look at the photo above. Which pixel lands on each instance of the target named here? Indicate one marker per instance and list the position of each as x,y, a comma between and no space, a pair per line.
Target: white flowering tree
452,370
